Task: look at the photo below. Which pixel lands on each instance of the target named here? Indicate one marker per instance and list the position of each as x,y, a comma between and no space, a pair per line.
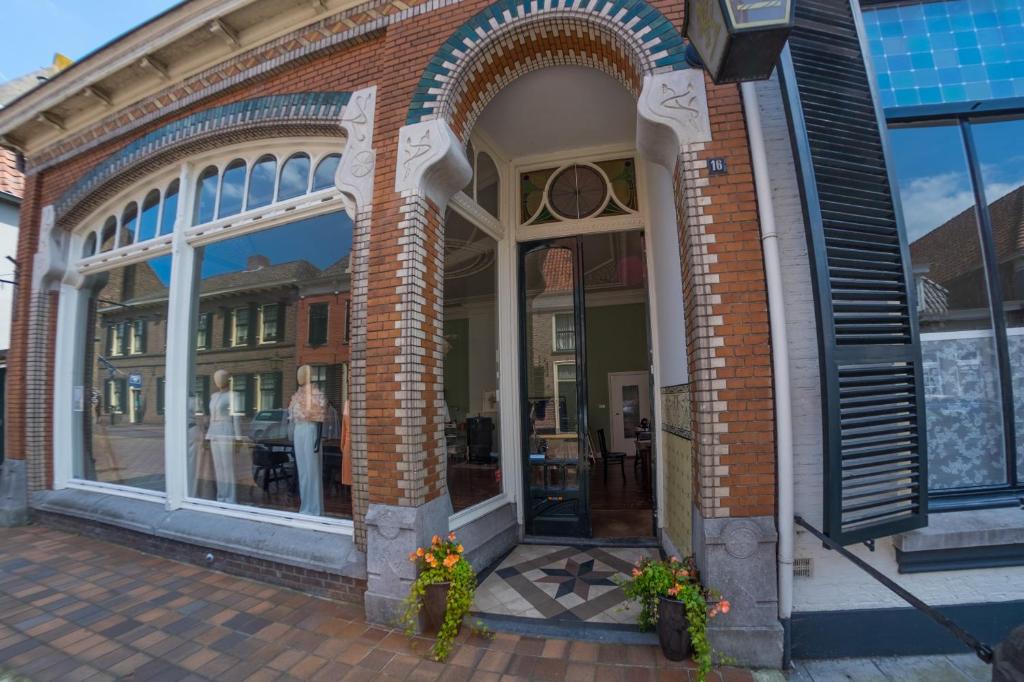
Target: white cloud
930,201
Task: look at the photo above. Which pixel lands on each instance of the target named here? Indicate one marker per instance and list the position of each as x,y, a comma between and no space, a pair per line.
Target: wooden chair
610,457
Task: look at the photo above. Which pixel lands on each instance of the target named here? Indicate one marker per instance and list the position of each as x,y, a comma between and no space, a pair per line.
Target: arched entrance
641,55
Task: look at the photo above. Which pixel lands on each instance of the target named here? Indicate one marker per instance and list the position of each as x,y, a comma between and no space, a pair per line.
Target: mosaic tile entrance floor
563,583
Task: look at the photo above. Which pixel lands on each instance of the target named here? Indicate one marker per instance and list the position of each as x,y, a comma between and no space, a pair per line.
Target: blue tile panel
662,42
947,52
294,108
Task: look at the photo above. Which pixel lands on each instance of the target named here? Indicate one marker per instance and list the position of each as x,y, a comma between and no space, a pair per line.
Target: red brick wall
394,60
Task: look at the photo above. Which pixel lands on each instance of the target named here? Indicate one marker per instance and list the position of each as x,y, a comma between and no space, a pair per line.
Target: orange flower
685,574
725,606
460,549
636,572
673,591
412,556
451,536
713,612
674,559
436,540
419,551
451,560
430,559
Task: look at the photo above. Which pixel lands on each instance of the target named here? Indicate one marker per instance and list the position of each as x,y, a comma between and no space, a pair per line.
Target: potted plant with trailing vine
443,591
673,601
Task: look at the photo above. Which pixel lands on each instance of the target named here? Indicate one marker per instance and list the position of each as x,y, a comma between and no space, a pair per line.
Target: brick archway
627,40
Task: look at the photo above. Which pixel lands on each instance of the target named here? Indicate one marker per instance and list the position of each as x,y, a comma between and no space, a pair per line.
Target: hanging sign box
738,40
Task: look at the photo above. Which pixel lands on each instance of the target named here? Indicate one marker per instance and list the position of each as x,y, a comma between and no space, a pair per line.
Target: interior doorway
585,373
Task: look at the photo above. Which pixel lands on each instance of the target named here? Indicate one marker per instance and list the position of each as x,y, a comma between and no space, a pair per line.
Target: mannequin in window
223,433
306,412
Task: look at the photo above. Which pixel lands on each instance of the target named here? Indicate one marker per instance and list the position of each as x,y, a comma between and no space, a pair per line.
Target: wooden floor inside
621,507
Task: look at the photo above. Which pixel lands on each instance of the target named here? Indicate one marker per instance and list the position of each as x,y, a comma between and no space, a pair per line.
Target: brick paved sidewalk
73,608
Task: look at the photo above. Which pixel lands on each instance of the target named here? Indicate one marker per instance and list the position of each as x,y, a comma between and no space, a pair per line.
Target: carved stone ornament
672,113
354,177
50,262
431,161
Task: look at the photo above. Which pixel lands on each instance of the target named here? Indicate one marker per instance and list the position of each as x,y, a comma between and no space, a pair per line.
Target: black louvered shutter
875,481
253,328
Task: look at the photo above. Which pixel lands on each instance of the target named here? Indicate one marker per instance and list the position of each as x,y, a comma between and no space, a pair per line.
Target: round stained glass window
577,192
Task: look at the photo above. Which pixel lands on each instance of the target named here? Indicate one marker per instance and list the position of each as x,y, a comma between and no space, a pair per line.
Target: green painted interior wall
616,342
456,368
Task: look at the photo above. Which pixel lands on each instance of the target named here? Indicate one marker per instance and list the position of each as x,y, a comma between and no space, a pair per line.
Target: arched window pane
129,221
206,196
109,233
325,170
232,189
89,248
150,216
487,183
294,177
261,183
170,212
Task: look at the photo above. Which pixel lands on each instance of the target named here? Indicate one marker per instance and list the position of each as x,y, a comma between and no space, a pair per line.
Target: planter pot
434,599
672,632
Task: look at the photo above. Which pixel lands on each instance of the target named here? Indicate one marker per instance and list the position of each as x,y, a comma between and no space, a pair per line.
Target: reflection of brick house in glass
948,260
254,324
322,320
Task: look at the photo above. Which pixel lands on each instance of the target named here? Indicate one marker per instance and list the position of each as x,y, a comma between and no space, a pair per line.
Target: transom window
575,191
223,190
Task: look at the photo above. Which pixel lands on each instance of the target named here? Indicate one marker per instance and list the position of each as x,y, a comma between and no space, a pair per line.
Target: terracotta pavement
75,608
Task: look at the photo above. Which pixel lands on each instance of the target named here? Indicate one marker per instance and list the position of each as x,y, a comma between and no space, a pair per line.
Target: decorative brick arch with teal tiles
653,44
307,113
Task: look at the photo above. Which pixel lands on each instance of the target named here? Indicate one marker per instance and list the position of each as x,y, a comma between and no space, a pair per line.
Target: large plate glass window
472,411
123,425
267,412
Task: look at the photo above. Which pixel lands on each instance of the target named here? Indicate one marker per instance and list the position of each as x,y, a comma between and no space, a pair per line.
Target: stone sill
982,538
299,547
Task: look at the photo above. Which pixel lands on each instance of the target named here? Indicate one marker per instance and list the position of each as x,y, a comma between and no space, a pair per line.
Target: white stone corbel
431,162
50,261
671,114
355,172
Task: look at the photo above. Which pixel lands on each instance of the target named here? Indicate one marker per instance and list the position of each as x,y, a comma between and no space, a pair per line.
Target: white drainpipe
780,356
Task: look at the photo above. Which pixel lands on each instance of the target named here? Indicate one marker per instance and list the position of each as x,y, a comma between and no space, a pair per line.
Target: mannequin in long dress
306,412
223,433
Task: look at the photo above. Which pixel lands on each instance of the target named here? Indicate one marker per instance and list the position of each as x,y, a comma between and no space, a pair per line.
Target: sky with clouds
931,168
36,29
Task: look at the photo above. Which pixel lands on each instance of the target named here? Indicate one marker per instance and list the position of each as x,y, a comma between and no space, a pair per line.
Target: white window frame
181,241
259,392
235,343
115,340
554,331
262,328
135,339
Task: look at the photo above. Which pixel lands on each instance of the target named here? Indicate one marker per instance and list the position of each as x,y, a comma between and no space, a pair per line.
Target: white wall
668,280
835,583
8,247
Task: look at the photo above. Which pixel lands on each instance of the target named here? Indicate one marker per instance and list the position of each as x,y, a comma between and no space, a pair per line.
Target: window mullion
995,300
178,362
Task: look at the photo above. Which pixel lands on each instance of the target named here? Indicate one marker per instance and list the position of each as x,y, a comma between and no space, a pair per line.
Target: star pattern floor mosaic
559,582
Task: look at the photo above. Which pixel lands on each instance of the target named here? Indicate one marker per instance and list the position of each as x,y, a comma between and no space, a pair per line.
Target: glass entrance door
553,353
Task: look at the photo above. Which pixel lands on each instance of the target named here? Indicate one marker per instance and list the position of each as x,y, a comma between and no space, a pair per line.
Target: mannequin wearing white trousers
306,412
223,434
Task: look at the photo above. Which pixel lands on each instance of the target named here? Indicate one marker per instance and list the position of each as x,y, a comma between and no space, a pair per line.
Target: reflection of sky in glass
931,170
322,241
261,183
956,51
162,267
294,177
325,170
231,190
170,209
150,213
207,197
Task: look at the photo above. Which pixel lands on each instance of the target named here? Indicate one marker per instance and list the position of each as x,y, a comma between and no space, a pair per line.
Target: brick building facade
272,253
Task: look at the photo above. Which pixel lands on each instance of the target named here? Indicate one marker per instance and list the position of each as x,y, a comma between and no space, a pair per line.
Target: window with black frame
960,175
